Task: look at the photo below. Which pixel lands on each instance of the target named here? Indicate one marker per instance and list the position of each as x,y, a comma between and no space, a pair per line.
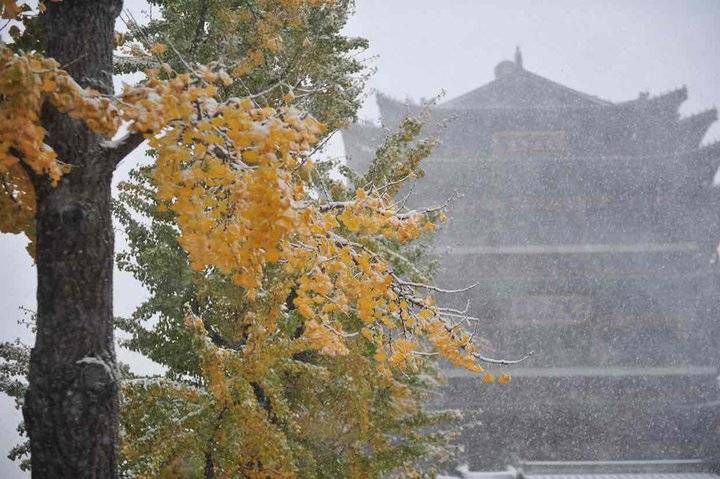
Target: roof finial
518,57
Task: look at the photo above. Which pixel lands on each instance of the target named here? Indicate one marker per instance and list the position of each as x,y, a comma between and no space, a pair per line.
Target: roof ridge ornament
508,67
518,57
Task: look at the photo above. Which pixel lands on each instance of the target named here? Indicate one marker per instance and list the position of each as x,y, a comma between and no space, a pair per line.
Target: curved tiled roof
520,88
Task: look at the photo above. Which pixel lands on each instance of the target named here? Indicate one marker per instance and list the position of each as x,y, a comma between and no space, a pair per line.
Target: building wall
591,237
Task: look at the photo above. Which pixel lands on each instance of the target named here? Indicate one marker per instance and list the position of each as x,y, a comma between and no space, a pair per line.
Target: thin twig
502,361
434,288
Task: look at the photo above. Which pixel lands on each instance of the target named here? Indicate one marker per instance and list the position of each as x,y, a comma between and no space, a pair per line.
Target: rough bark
209,472
71,408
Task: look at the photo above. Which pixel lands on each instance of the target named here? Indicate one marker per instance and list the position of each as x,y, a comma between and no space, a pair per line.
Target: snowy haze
612,49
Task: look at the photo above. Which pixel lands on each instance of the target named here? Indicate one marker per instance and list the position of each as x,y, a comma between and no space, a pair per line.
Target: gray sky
612,49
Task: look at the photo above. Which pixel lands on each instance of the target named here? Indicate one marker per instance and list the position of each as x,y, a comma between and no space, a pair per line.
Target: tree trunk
209,472
71,408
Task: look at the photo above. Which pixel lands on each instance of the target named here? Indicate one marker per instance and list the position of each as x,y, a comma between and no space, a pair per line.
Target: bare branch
450,313
341,334
426,353
412,213
118,149
433,288
401,203
400,257
502,361
335,205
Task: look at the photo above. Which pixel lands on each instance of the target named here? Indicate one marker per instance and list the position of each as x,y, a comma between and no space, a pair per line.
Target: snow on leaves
236,175
26,83
238,179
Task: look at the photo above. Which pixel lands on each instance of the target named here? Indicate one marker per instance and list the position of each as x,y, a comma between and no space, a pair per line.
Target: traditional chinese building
591,228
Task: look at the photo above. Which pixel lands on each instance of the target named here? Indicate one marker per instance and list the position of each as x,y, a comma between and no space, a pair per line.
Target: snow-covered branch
485,359
118,149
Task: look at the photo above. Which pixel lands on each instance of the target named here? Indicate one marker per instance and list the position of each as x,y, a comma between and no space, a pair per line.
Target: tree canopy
294,291
294,410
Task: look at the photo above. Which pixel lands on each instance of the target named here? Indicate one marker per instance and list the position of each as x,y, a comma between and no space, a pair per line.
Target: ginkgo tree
236,175
335,420
295,411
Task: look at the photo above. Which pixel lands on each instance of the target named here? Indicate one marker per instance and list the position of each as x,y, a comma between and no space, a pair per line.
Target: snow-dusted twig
392,183
425,211
502,361
433,288
157,381
118,149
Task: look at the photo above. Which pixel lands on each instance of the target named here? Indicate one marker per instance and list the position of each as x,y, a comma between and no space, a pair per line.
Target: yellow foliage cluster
26,83
260,25
10,9
278,422
237,178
